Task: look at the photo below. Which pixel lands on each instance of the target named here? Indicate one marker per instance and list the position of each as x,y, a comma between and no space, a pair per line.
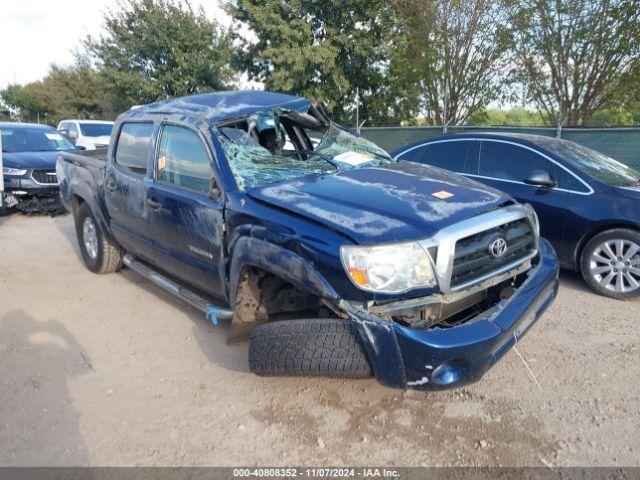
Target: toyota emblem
498,247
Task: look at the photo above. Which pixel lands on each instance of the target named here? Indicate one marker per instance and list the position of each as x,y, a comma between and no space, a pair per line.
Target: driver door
504,166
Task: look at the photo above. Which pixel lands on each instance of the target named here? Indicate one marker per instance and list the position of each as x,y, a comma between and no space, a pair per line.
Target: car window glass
33,140
266,148
73,128
596,164
96,129
183,159
511,162
134,145
416,154
567,181
448,155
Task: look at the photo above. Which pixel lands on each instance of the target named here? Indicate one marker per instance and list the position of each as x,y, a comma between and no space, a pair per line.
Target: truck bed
83,172
95,158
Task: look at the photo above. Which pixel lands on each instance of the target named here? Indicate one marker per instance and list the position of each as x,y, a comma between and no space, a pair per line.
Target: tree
73,92
574,56
450,55
24,102
327,50
155,49
513,117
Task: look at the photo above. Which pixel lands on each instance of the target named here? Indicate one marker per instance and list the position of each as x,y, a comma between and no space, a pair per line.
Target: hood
382,205
30,160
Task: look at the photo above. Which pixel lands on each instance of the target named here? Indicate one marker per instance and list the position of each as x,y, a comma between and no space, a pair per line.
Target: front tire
319,347
610,264
98,253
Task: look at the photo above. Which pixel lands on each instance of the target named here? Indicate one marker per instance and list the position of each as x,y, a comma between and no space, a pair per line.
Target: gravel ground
105,370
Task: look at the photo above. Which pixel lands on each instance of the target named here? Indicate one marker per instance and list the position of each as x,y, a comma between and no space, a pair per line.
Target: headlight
534,217
13,171
388,268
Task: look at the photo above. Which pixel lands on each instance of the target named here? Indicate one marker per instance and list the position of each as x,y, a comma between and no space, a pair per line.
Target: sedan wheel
611,264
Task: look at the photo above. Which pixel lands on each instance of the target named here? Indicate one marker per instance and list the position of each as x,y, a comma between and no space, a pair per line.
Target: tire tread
308,347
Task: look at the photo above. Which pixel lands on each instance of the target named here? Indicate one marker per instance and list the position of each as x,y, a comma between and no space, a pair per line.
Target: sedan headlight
388,268
17,172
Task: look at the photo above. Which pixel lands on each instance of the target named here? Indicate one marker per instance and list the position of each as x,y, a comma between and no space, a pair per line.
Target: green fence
623,144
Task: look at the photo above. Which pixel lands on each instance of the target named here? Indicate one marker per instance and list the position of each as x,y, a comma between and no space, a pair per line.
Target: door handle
153,205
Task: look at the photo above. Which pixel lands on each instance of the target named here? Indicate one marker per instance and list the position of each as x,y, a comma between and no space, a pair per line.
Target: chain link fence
623,144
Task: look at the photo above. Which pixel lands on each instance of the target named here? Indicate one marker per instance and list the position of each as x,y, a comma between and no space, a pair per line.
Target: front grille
473,258
47,177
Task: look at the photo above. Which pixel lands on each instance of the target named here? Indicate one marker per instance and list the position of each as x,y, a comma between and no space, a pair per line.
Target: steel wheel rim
90,237
615,265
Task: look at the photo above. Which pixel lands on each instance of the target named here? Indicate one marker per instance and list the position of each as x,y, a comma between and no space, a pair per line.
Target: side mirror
80,147
214,190
540,178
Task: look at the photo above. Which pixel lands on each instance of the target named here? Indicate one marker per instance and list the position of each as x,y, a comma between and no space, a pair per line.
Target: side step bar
214,312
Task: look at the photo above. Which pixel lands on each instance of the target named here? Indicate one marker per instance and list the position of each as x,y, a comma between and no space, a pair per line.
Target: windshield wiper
323,156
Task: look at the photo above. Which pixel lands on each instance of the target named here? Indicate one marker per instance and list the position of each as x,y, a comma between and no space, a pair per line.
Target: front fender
285,264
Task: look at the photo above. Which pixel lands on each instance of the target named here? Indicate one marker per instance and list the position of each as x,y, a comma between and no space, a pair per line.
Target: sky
36,33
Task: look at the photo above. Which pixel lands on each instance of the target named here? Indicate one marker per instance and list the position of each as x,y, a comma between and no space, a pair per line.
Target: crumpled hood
30,160
381,205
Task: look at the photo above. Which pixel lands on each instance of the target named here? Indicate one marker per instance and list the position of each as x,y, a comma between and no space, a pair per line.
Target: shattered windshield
275,146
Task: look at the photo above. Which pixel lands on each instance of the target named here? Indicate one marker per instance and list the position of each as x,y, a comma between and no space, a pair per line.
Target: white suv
90,134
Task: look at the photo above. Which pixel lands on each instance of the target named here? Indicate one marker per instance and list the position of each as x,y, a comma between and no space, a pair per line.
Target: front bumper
439,358
25,194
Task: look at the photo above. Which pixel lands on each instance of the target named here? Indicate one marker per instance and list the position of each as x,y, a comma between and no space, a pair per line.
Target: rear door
185,219
126,186
505,165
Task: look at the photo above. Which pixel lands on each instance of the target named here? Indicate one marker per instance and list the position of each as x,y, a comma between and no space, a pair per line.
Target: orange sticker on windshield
442,195
162,163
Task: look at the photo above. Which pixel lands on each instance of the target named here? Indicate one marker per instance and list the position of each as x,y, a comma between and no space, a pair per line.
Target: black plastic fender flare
279,261
84,192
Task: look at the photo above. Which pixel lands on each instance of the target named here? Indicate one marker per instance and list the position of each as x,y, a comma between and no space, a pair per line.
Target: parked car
28,161
90,134
338,260
588,203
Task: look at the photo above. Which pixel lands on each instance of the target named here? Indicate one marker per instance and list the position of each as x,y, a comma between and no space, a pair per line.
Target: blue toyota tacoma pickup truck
332,258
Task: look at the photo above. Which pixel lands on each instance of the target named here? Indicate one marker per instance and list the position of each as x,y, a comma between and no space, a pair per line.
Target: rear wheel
98,253
610,263
310,347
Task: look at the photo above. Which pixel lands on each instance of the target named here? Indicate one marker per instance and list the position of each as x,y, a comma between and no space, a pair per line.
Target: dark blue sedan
28,161
588,203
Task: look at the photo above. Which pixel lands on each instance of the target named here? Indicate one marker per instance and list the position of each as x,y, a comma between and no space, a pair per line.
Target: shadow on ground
39,425
574,280
212,339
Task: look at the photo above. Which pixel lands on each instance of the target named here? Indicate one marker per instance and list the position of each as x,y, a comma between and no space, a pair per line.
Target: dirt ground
106,370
